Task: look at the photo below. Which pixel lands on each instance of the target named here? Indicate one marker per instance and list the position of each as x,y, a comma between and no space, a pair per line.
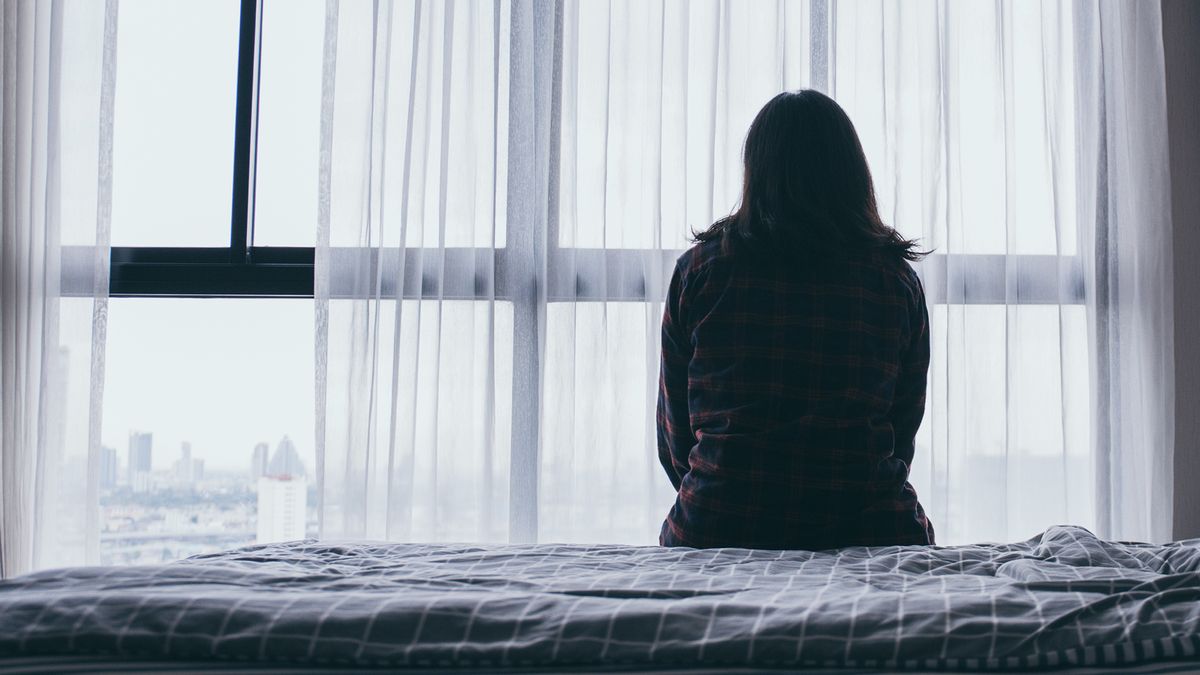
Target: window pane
79,121
646,157
202,398
597,481
439,468
965,155
1006,180
289,122
434,159
1004,449
174,121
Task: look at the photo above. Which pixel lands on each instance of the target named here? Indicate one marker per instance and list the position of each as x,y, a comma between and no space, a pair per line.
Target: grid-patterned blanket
1062,598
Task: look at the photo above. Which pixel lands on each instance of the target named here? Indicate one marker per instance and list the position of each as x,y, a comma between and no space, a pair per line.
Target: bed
1063,599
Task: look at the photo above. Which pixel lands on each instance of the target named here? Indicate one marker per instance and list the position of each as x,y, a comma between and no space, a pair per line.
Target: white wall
1181,46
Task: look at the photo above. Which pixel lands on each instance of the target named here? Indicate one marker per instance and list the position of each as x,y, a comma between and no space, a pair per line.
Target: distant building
188,470
108,467
139,466
286,461
282,507
183,465
282,496
258,464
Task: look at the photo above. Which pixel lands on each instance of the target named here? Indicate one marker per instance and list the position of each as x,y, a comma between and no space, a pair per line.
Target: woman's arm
908,405
675,437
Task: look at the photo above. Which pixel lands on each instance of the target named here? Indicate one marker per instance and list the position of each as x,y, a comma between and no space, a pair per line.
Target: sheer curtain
504,187
56,115
1124,207
1025,143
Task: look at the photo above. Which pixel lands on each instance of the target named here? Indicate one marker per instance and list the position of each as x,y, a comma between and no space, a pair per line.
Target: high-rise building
282,495
258,464
282,507
188,470
108,467
140,447
285,461
183,465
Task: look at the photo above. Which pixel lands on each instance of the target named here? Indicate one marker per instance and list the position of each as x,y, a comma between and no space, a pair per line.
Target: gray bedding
1064,598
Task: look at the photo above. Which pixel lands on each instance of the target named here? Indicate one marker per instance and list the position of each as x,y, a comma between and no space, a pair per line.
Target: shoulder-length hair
807,189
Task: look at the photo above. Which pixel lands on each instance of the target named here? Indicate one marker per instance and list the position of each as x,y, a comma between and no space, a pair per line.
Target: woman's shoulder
894,272
875,267
894,264
704,256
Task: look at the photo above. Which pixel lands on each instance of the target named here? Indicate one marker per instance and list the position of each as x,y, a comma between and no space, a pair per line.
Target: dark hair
807,188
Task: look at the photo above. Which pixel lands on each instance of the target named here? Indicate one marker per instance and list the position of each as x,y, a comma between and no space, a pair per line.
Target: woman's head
807,187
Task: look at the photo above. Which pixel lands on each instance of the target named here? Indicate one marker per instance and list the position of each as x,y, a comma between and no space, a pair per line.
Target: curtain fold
967,113
430,119
1126,214
505,187
58,76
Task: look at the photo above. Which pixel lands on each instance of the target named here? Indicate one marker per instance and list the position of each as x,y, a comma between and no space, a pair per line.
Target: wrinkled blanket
1061,598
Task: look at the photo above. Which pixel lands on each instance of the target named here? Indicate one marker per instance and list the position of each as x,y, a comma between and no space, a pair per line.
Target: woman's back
795,348
791,395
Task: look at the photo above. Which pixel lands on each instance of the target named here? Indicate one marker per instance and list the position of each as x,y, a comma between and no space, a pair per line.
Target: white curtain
504,187
1124,206
1026,144
58,71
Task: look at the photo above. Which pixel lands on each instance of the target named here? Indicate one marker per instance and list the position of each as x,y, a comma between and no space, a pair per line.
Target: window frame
244,270
240,269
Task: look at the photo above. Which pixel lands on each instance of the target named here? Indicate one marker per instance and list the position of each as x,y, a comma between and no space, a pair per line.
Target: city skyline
155,514
222,375
142,452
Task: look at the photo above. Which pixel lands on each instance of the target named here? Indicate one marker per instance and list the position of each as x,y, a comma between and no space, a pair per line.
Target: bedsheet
1062,598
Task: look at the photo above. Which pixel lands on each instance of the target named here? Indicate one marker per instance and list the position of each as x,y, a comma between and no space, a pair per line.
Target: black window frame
240,269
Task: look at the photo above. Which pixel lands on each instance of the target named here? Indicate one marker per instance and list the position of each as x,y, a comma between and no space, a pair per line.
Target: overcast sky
221,374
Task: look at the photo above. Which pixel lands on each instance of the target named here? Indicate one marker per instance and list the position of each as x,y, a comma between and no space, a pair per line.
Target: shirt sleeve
908,406
675,437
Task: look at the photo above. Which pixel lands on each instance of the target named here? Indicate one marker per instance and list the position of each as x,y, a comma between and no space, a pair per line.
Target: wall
1181,45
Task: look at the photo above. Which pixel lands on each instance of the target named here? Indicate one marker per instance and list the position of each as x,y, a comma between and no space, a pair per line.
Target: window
1005,278
209,389
289,104
202,395
174,123
233,135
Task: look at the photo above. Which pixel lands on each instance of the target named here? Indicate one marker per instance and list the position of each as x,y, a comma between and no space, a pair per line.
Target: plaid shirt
789,399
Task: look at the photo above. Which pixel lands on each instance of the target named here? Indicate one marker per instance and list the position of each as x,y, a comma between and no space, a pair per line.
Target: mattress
1061,599
95,665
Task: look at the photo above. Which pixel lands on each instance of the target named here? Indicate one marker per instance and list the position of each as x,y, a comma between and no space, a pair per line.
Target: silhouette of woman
795,347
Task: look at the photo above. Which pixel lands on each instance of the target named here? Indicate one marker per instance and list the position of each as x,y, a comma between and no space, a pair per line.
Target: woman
795,347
